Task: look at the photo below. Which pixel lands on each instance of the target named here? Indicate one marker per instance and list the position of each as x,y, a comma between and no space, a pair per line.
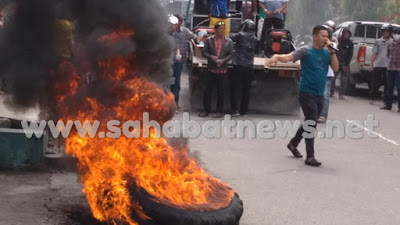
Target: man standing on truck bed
218,50
393,71
273,10
345,54
379,63
218,11
315,61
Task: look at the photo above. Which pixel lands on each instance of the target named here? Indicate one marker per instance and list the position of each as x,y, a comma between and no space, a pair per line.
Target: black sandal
294,151
312,162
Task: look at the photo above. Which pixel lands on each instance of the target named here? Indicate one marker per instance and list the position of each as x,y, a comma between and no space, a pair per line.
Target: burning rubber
166,215
126,49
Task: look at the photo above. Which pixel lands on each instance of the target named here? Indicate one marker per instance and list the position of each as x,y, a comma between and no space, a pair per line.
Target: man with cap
379,63
218,50
181,35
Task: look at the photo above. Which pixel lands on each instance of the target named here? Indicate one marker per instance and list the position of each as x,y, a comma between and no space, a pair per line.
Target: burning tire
166,215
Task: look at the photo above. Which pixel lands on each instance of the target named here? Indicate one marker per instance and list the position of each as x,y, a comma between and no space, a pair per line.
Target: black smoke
28,57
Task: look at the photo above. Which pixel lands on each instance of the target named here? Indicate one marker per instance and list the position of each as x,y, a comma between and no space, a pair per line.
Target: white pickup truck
364,35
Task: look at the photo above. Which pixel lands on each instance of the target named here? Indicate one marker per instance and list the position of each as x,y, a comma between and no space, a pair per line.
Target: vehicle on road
364,35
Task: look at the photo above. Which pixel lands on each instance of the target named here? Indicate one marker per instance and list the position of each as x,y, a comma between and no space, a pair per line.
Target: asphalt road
357,184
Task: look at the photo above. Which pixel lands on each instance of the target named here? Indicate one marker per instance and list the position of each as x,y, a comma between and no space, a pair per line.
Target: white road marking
378,134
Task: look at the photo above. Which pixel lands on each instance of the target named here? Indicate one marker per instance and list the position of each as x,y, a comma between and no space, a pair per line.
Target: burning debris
121,50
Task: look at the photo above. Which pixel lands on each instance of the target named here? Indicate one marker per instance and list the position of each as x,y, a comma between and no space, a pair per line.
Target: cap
173,20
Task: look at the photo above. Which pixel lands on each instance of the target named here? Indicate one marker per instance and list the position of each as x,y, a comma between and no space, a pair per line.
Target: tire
167,215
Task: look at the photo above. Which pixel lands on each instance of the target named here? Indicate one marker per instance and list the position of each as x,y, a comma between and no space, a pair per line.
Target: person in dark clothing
218,50
345,54
243,62
315,62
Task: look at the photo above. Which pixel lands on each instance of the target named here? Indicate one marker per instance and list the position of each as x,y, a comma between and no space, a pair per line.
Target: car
364,35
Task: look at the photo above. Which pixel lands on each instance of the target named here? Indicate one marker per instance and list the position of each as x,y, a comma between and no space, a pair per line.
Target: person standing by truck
393,71
329,79
345,54
218,50
243,62
181,35
315,62
379,63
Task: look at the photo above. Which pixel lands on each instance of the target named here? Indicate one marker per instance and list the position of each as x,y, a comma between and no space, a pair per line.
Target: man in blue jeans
182,36
393,71
315,62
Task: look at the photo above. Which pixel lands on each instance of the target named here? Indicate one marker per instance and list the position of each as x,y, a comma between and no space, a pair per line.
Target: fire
170,175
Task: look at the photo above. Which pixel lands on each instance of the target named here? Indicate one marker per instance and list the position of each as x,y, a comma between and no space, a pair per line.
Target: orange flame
170,175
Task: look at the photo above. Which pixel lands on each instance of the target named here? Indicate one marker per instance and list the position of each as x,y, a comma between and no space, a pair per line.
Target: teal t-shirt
314,69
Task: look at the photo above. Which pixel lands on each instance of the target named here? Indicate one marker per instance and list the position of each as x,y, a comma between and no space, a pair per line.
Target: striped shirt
182,37
394,56
218,49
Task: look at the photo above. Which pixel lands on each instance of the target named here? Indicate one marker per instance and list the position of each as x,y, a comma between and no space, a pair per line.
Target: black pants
268,24
240,83
344,73
311,105
378,78
212,80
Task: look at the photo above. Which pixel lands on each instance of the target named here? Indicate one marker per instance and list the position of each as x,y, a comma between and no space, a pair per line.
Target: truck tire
167,215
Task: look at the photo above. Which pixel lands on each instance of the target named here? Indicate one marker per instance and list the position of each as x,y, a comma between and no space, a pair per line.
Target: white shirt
330,72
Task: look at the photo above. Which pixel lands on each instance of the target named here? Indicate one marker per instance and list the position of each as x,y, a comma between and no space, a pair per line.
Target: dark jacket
226,52
346,48
245,48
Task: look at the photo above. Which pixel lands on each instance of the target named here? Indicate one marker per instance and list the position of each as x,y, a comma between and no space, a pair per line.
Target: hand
268,13
272,61
371,68
277,11
255,14
214,58
220,62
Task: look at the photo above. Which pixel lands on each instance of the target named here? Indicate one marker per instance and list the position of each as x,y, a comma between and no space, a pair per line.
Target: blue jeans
176,87
392,78
327,93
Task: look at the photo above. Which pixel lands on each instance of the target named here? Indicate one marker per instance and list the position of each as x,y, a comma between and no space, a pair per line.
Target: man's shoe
341,97
312,162
235,113
203,114
332,95
294,151
398,110
218,115
386,107
321,119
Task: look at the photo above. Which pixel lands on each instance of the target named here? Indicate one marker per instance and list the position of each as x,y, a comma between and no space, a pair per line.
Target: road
358,182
